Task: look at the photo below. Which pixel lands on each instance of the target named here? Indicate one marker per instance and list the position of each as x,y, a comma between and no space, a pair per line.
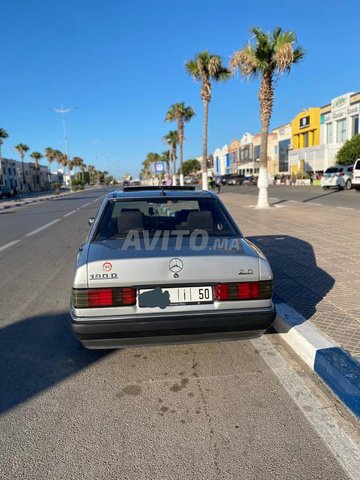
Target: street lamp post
62,112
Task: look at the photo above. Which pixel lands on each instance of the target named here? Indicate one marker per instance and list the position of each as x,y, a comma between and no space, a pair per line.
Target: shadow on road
322,195
37,353
298,280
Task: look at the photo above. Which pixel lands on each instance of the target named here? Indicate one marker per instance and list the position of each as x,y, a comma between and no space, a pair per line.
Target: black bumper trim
162,326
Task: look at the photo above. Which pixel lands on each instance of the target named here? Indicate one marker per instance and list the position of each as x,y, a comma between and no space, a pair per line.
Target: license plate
187,295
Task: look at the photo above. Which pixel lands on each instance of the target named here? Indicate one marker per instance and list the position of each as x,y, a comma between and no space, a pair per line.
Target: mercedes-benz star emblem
175,266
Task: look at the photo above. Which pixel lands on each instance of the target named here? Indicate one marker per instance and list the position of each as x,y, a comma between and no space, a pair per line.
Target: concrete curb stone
334,366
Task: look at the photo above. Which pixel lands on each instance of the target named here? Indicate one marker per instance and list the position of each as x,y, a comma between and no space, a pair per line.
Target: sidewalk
315,256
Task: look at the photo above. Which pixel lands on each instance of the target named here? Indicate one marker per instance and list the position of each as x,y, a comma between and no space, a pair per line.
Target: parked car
235,180
224,178
191,180
136,283
6,192
356,175
338,176
251,180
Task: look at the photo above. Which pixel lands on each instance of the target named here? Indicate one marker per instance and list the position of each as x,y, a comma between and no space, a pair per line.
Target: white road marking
346,208
69,213
339,442
40,229
316,204
10,244
43,227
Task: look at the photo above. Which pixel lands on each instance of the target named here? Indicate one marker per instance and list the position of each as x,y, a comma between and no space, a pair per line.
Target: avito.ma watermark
196,240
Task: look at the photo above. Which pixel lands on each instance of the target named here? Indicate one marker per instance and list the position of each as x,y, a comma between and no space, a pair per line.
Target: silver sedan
168,265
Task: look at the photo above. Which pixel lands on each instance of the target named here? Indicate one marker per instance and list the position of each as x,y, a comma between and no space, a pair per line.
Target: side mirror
91,220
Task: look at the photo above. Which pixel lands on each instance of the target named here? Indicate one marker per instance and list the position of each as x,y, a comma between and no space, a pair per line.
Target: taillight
340,174
243,291
103,297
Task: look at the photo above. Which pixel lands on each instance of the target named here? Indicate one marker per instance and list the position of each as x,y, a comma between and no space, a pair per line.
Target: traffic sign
159,167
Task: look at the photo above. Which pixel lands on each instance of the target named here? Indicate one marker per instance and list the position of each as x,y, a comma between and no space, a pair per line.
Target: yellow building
306,129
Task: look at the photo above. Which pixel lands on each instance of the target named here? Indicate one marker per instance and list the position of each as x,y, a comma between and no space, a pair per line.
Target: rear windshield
333,170
164,215
357,165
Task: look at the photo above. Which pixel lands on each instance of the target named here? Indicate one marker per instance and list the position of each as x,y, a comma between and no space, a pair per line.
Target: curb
334,366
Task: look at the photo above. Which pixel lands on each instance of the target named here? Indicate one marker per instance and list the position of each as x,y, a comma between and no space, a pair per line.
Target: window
257,152
275,150
306,139
354,125
341,130
329,133
156,216
284,146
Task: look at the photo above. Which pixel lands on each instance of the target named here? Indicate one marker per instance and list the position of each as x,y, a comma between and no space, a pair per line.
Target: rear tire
348,185
325,188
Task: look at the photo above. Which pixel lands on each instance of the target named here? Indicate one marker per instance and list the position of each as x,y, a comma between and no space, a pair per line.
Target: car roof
158,192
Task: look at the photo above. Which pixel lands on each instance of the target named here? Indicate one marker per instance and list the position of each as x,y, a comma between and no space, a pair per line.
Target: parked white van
356,175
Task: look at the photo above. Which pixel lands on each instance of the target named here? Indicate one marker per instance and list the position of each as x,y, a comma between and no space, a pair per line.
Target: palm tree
3,135
166,158
22,149
58,155
83,168
267,55
180,114
76,162
172,139
205,68
91,170
37,156
65,163
50,155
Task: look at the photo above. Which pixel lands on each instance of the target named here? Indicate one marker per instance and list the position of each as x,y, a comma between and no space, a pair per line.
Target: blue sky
121,63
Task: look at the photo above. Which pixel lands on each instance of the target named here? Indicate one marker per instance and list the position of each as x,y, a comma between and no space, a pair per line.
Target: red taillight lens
128,296
100,298
243,291
103,297
222,292
248,291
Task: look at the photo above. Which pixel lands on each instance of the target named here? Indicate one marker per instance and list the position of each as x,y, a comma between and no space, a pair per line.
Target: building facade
339,121
23,177
222,161
306,153
9,175
281,154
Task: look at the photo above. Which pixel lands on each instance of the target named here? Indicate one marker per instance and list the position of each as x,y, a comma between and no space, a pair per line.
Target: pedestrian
168,181
218,184
211,183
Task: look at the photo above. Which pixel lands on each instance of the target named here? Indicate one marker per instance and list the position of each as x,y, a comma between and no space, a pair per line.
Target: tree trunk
266,96
204,155
23,174
181,163
174,164
181,141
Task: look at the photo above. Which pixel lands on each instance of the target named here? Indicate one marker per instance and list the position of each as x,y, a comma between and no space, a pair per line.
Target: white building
339,121
221,160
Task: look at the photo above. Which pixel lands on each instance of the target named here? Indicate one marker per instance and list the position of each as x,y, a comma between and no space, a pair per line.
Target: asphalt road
305,194
235,410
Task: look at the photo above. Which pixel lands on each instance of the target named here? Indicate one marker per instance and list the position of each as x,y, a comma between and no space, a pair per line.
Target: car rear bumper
100,333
